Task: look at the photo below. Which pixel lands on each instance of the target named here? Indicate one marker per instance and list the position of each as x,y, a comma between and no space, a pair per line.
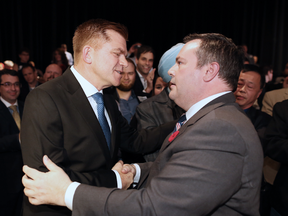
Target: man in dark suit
250,85
66,121
144,73
277,142
10,151
210,166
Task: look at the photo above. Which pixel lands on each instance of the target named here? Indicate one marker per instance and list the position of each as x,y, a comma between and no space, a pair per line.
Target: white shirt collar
87,87
141,78
7,104
200,104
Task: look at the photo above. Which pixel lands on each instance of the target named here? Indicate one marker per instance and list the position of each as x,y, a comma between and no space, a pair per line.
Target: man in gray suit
210,166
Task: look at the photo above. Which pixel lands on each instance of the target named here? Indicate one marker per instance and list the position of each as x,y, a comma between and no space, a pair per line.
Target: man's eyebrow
120,50
178,58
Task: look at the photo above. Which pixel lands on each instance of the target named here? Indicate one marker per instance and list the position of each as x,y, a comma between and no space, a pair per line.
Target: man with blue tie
78,127
10,151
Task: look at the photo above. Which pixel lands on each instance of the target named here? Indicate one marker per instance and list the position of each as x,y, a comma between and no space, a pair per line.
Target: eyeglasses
8,84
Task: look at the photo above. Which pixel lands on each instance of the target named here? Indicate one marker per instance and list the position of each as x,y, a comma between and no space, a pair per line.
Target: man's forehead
251,74
250,77
189,46
116,38
27,69
9,77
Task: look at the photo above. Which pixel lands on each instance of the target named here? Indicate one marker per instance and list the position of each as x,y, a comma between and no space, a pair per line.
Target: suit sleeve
194,181
277,134
144,118
43,134
143,141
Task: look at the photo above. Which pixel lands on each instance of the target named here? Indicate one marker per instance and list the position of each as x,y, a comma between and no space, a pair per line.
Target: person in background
52,71
159,109
159,85
132,52
143,86
11,110
68,54
60,59
277,144
24,56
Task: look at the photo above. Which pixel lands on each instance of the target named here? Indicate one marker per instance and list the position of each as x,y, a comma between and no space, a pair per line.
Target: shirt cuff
69,195
118,179
138,173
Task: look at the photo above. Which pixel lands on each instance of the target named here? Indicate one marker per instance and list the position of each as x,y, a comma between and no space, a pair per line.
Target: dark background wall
43,25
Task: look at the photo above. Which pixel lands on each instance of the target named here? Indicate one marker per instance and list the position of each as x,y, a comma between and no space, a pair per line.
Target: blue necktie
98,97
180,122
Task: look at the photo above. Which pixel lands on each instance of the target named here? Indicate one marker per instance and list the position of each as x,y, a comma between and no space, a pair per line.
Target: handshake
50,187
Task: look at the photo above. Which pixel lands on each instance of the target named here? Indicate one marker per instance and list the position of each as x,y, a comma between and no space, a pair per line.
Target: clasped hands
50,187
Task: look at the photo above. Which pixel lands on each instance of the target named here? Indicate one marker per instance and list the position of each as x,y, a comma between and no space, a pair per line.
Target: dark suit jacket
277,149
63,126
260,120
11,163
138,88
155,111
213,167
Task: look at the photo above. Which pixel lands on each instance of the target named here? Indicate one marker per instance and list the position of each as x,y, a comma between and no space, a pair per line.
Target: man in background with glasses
10,151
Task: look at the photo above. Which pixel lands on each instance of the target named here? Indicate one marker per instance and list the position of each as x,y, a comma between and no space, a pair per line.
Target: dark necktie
180,122
98,97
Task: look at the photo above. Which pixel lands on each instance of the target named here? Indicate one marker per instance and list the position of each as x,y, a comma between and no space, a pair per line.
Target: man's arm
143,141
55,187
202,171
144,117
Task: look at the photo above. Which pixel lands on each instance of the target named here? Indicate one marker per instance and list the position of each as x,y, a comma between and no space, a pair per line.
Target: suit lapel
81,103
218,102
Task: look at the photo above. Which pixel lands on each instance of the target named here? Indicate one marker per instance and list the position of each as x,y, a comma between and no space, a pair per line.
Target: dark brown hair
216,47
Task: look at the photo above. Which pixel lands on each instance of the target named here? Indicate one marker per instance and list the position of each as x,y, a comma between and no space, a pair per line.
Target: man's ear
86,54
212,71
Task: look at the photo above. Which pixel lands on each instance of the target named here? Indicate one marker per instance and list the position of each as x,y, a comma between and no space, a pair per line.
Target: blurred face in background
9,88
248,89
24,57
29,75
128,78
51,72
145,63
159,86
